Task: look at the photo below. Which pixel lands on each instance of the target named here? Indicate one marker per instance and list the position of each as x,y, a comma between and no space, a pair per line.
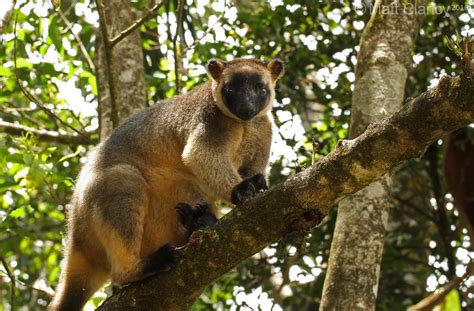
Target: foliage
318,41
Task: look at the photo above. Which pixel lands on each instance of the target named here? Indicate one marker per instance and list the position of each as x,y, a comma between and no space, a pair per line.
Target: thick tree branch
44,135
303,199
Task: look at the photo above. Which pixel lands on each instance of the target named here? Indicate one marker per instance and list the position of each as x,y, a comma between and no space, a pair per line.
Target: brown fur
185,149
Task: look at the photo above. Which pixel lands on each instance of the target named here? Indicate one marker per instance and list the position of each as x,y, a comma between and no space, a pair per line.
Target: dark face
245,94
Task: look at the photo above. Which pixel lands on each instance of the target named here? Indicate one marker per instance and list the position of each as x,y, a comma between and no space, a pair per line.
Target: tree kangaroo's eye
228,89
261,89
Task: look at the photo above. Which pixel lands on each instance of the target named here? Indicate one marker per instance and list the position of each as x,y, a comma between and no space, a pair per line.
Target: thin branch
53,195
32,97
27,117
400,257
45,135
42,291
428,303
82,48
33,229
18,282
70,7
245,305
414,207
289,262
177,57
12,281
108,47
467,55
77,118
441,216
152,12
207,31
20,114
19,109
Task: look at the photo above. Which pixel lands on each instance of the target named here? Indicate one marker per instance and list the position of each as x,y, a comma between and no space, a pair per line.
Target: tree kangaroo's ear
215,67
276,68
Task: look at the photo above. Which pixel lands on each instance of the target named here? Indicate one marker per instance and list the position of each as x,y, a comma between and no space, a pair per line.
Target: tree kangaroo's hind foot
161,260
196,218
166,257
248,188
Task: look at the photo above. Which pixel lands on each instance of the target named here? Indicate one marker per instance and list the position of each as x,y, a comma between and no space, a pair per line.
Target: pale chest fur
237,148
248,141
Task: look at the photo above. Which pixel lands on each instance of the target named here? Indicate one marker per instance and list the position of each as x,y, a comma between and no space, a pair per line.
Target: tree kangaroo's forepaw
161,260
196,218
248,188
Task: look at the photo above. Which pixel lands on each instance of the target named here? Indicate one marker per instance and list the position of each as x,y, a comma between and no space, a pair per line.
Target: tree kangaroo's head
244,88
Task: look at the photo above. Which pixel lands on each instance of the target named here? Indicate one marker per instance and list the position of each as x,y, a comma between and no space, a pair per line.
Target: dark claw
248,188
186,214
162,260
204,221
203,217
203,207
260,183
199,217
242,192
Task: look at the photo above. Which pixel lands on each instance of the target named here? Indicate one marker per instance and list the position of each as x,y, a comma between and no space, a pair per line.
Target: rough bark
356,251
303,199
128,68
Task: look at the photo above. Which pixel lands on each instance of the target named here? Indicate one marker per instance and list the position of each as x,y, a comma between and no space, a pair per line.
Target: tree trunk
382,67
127,68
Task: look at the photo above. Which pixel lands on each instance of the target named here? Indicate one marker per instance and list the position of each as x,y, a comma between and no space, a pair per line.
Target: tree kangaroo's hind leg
123,205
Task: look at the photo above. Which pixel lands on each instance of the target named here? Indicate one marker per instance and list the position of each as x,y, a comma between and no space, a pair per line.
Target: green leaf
15,158
5,72
8,185
71,155
451,302
90,79
48,68
54,33
19,212
23,63
28,158
69,182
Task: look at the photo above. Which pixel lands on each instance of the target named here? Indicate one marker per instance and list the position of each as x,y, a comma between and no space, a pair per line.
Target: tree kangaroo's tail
79,280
